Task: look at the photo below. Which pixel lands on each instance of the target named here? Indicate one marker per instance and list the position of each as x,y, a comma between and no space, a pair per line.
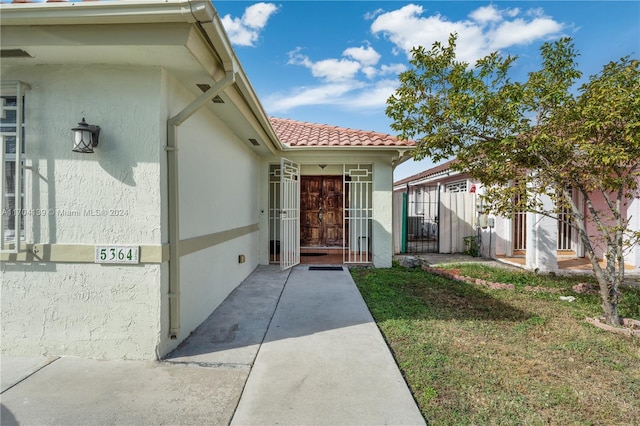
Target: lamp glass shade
83,138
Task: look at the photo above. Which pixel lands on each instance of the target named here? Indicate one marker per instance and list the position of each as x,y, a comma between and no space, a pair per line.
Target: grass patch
517,277
588,304
472,355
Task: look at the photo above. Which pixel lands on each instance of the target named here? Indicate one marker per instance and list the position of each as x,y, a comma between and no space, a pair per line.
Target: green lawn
472,355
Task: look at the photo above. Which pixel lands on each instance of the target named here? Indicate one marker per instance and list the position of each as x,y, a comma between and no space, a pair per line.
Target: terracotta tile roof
300,134
430,172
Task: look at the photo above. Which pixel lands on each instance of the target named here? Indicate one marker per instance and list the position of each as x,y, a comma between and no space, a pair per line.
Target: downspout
173,199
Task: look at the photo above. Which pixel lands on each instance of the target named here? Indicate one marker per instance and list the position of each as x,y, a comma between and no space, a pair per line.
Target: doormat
325,268
313,254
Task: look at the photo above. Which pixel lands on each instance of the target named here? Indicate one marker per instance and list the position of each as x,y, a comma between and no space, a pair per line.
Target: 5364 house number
117,254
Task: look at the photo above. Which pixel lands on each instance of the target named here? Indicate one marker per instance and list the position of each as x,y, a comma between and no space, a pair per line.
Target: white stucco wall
218,192
110,197
79,309
106,197
209,275
382,241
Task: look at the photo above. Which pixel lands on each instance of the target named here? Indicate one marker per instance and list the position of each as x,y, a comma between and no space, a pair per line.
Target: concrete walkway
296,347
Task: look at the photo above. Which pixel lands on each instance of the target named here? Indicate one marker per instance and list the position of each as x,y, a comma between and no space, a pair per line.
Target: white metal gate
289,214
358,212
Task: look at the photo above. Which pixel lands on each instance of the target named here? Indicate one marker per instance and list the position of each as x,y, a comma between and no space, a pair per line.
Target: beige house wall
218,197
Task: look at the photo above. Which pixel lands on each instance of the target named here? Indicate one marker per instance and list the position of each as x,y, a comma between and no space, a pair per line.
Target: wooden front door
321,211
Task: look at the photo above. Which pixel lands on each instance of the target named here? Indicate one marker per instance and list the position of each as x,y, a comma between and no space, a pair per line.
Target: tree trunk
609,278
609,285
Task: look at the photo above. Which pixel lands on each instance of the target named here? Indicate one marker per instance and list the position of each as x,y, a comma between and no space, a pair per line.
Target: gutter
219,44
213,29
103,12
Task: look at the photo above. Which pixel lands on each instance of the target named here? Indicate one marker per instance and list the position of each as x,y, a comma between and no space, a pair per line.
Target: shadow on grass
399,293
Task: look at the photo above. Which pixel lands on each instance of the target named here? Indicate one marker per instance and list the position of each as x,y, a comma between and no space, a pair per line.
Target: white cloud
335,69
370,72
393,69
349,95
371,15
488,29
354,60
485,14
245,31
374,96
521,32
328,69
325,94
364,55
357,80
512,13
406,28
257,15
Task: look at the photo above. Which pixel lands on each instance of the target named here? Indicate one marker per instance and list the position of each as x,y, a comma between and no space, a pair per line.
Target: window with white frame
12,153
460,186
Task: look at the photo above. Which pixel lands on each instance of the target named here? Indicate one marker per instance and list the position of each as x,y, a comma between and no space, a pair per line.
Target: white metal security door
358,212
289,214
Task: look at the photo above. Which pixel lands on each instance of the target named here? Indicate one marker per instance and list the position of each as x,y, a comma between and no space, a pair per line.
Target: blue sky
336,62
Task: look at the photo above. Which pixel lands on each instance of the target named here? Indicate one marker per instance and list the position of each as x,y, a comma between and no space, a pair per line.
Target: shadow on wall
119,166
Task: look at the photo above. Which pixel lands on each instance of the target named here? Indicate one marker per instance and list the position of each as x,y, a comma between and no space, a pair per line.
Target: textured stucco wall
110,197
218,191
382,242
84,310
106,197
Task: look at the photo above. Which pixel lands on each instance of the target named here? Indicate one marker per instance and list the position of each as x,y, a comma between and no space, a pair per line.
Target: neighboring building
440,211
123,252
443,208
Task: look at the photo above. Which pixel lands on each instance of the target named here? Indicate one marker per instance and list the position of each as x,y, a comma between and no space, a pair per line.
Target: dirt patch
585,288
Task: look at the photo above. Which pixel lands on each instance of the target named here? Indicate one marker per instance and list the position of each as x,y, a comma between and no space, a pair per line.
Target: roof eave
197,12
211,24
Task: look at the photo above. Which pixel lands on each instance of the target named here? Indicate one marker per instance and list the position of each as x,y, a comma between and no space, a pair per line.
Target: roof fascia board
245,87
102,12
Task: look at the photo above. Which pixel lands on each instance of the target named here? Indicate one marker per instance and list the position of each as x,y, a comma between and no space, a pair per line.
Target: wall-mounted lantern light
85,137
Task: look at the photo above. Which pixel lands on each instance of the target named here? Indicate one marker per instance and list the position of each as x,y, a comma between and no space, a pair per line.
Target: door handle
320,215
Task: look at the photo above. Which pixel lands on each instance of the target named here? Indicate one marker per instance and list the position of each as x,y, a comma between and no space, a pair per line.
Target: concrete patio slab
13,370
74,391
234,331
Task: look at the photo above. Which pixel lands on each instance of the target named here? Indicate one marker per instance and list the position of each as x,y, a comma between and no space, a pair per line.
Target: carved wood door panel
321,210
